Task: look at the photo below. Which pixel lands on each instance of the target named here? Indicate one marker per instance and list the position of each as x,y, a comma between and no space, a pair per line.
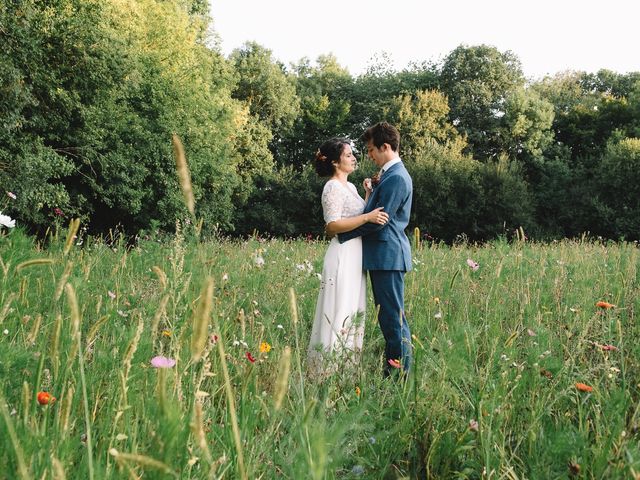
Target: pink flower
473,265
58,212
609,348
163,362
395,363
473,425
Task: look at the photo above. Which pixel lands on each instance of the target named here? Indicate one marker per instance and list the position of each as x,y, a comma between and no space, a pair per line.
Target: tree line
92,92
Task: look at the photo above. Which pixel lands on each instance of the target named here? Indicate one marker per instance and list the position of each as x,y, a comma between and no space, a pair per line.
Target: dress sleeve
332,202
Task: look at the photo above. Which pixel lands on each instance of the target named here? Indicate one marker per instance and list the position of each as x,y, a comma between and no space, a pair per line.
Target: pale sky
548,36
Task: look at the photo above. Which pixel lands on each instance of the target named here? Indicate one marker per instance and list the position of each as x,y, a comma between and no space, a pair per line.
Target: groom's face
377,154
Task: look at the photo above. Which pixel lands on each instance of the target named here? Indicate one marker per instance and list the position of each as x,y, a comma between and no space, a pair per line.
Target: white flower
319,275
11,195
438,315
111,294
225,277
5,331
259,261
280,327
6,221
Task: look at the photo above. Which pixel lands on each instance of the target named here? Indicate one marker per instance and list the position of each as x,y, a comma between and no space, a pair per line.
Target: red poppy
604,305
45,398
250,357
583,387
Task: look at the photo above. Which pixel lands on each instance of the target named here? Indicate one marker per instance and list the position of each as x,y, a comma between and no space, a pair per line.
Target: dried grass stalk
183,173
201,321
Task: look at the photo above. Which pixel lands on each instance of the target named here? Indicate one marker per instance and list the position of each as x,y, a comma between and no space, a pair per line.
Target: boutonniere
375,179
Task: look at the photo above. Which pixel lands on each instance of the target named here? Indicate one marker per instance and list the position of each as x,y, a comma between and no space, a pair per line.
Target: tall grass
492,394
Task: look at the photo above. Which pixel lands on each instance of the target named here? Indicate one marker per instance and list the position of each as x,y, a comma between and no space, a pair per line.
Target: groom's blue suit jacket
386,247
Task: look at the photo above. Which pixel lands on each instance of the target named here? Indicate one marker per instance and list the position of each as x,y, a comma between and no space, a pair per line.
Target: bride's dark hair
328,153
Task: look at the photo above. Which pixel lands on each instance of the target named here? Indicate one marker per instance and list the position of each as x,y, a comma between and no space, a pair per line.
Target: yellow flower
265,347
166,333
436,300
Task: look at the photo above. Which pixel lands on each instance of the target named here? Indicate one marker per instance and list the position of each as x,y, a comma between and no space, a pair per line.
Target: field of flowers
179,358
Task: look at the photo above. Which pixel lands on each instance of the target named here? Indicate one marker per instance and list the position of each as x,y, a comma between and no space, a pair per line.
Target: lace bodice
340,201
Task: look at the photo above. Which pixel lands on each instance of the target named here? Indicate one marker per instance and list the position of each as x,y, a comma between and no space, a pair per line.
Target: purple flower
163,362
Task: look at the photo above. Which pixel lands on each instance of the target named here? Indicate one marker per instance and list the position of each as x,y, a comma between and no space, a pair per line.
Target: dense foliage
92,91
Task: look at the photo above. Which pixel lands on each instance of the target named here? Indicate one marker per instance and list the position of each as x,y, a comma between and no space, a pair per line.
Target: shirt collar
390,164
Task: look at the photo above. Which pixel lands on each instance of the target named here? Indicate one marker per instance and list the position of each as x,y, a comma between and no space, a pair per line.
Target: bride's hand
368,186
377,216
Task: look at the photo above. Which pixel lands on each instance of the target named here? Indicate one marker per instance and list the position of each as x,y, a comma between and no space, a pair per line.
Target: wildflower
166,333
473,265
531,333
436,300
604,305
358,391
7,221
319,275
225,277
213,338
111,294
58,212
280,327
583,387
473,425
250,357
163,362
437,315
608,348
395,363
372,440
265,347
259,261
45,398
236,343
11,195
5,331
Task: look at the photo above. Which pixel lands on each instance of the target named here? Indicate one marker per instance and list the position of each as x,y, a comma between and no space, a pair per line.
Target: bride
338,327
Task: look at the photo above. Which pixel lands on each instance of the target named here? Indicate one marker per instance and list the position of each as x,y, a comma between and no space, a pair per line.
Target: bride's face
347,163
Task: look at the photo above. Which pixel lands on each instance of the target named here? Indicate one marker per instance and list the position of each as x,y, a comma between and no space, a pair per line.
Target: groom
385,248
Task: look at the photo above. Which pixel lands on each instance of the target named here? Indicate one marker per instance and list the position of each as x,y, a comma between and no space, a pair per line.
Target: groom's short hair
382,133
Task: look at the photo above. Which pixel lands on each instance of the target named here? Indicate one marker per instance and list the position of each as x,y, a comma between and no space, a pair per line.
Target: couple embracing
368,236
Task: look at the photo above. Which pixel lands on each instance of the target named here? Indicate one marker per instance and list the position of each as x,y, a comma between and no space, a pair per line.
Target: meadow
527,366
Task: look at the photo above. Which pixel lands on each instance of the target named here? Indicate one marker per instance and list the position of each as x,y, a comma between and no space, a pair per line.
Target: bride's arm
348,224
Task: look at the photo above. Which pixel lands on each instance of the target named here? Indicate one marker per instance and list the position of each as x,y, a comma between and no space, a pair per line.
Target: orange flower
45,398
265,347
583,387
357,391
604,305
166,333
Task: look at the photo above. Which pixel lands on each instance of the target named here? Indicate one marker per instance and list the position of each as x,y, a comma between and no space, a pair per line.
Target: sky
548,36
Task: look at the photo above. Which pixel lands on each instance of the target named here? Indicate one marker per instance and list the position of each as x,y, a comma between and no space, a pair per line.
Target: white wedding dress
338,326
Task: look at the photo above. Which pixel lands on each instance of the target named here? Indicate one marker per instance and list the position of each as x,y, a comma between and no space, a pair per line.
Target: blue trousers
388,294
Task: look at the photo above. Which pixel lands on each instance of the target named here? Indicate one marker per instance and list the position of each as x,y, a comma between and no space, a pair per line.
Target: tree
478,81
422,118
